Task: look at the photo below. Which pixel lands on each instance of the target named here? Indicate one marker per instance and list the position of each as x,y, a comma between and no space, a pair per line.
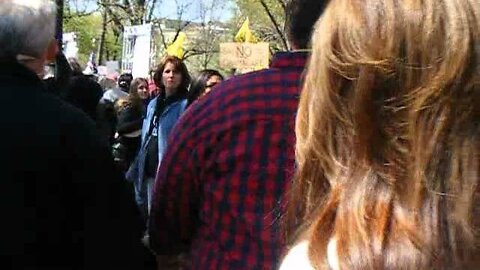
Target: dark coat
84,93
63,205
129,127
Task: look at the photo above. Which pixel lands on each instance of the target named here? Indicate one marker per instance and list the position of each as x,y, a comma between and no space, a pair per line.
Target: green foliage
203,36
210,60
260,23
113,45
256,12
89,28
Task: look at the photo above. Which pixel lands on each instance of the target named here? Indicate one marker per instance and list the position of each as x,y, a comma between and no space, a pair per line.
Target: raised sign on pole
244,56
136,50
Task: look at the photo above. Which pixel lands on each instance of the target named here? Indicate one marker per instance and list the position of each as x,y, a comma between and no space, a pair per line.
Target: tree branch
152,8
282,3
157,23
275,23
195,52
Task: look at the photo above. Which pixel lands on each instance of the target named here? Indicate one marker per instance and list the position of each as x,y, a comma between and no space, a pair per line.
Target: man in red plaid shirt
219,188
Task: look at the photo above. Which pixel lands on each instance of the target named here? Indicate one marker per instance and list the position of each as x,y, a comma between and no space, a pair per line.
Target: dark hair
180,66
84,93
124,81
197,88
301,16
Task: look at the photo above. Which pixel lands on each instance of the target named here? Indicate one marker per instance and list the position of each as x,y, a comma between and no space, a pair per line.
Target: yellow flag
176,48
244,34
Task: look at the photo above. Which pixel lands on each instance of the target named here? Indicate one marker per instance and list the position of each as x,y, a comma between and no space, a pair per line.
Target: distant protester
203,83
106,110
172,78
124,82
139,90
130,112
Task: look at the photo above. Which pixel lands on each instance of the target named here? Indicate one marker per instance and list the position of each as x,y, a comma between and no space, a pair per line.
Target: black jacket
63,206
129,127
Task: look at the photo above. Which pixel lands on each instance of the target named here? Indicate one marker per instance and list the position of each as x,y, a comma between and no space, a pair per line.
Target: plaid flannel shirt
229,161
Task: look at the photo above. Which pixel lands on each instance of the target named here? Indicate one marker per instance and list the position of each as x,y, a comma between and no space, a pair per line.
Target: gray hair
26,27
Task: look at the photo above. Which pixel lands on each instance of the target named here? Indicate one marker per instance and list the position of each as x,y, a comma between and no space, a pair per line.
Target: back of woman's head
388,135
179,66
199,83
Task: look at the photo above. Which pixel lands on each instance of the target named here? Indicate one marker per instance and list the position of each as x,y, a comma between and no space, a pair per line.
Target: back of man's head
26,27
301,16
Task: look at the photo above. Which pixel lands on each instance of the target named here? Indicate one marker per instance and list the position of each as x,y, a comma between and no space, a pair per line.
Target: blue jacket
166,123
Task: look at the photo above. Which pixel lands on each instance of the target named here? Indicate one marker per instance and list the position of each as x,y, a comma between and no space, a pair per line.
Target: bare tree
78,8
102,37
267,18
130,12
121,13
203,30
177,25
209,33
274,21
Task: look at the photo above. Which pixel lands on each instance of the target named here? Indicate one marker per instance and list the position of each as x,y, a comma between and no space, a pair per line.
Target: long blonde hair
388,133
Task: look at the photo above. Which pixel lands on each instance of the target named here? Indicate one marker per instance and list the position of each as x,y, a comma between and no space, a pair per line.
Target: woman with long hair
172,79
139,91
130,112
388,138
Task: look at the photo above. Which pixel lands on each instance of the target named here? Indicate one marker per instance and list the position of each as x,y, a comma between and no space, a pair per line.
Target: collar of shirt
290,59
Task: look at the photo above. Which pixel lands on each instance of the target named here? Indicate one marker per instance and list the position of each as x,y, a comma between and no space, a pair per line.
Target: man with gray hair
63,205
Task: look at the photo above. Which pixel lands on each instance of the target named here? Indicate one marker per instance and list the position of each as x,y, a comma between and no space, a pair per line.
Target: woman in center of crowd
172,79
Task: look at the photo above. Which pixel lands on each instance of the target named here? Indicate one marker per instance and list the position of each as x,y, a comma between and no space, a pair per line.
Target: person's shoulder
234,87
297,258
230,90
152,103
247,79
66,114
56,119
181,104
114,94
107,95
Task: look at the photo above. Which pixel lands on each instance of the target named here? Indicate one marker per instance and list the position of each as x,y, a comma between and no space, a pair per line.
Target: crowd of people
358,149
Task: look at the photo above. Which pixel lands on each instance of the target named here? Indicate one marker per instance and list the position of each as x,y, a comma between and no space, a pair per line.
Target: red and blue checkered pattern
229,161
